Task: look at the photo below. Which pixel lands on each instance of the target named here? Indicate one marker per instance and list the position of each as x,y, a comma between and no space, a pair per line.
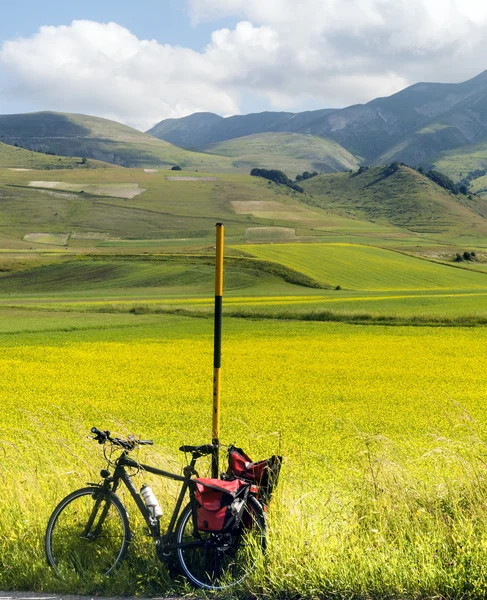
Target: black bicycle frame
120,474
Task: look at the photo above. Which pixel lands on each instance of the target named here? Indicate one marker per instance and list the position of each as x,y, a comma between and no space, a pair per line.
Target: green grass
405,199
479,186
366,268
402,290
188,274
166,210
19,158
292,153
460,162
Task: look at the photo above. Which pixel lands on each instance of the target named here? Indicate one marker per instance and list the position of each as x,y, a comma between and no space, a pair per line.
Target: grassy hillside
462,161
479,186
183,274
404,198
293,153
365,268
102,206
102,139
19,158
424,145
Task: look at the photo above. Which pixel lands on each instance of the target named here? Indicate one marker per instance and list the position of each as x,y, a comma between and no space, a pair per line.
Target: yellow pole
217,354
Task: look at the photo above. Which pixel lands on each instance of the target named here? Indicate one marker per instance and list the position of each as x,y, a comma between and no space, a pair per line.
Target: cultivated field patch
116,190
187,178
59,239
270,233
275,210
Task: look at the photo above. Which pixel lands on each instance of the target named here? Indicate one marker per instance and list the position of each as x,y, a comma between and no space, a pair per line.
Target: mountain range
424,124
434,125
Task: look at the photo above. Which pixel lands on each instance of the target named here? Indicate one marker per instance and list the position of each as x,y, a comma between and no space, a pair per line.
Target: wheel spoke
224,559
87,534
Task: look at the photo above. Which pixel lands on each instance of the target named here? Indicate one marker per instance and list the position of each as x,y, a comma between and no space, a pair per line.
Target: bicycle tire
88,534
229,558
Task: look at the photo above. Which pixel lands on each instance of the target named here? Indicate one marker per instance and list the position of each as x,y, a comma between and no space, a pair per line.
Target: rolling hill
101,139
404,198
464,162
293,153
18,158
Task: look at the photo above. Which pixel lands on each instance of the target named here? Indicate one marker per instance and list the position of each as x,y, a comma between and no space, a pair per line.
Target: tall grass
388,527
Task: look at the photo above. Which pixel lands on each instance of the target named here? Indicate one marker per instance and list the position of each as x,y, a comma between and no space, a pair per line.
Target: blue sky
167,21
229,56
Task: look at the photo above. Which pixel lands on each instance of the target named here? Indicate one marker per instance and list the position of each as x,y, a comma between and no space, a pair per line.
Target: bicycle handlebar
104,436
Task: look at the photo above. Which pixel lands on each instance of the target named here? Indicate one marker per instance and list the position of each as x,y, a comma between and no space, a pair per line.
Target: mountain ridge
387,128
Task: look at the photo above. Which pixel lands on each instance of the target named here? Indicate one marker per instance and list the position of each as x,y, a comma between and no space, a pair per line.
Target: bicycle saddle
200,450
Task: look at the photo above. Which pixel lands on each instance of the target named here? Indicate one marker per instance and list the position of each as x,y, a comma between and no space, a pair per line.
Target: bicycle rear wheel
88,534
215,561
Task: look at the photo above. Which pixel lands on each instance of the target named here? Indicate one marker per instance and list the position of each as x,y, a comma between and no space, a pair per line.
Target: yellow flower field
382,429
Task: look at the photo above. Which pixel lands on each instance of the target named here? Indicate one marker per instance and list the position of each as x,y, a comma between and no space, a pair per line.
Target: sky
141,62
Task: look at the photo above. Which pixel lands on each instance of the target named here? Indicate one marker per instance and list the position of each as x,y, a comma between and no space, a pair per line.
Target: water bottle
151,501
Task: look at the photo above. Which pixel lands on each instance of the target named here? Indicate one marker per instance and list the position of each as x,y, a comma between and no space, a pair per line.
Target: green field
286,281
365,268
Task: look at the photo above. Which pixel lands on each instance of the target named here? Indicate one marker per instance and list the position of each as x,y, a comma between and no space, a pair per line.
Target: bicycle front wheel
215,561
88,534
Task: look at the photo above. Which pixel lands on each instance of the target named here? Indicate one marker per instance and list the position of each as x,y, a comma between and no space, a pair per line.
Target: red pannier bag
264,473
220,504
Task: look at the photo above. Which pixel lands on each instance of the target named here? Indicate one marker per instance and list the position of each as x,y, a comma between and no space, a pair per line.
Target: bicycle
89,530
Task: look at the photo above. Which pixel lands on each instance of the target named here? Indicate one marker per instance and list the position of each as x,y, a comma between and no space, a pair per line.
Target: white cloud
381,44
104,69
321,52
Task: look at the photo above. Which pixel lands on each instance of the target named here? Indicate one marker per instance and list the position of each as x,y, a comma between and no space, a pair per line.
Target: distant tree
277,177
84,160
458,257
422,171
306,175
467,256
362,169
176,168
391,169
442,180
463,189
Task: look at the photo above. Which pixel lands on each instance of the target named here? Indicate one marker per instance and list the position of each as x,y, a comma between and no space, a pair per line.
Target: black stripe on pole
217,352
